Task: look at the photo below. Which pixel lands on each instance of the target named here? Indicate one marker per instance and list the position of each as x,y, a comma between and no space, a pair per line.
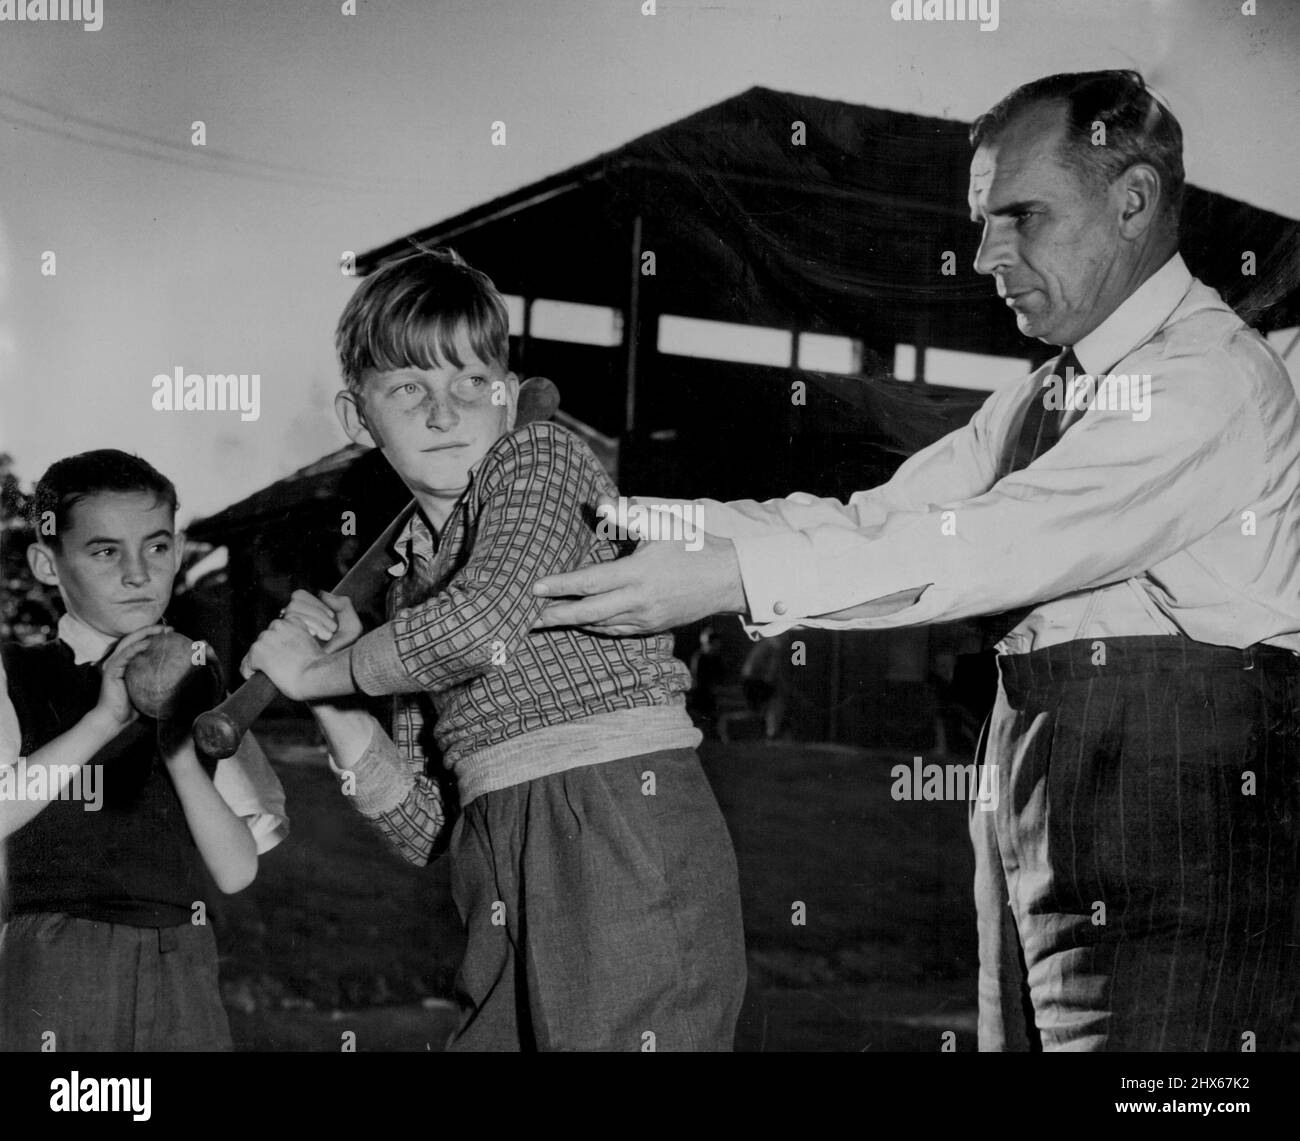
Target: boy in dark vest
107,814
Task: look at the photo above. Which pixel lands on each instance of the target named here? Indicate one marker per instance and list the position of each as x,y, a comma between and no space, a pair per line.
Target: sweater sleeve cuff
381,780
377,667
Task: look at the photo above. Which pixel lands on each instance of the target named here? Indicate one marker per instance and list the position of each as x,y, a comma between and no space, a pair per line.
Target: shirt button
778,608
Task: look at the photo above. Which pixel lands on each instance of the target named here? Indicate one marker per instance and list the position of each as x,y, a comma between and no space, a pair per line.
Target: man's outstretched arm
663,584
1109,501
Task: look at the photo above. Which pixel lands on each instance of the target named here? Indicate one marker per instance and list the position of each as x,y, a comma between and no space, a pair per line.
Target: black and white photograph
649,526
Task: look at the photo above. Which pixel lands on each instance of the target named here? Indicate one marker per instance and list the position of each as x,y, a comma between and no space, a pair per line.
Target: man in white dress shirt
1128,514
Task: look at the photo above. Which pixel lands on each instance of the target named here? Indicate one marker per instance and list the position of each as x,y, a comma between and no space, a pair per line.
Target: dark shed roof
845,233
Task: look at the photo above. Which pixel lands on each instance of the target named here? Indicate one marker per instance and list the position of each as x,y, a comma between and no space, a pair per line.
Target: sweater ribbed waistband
573,744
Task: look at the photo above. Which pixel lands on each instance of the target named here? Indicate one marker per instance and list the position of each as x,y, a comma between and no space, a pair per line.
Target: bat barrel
216,736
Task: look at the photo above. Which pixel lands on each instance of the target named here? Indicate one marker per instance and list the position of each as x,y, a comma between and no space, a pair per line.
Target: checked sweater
505,703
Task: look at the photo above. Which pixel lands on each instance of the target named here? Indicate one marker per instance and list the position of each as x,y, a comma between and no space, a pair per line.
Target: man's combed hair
411,312
66,482
1139,127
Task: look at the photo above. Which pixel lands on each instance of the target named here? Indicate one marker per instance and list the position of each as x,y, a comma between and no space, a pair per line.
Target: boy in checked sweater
590,863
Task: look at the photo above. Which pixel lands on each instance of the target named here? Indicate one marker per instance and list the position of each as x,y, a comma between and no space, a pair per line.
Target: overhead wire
124,140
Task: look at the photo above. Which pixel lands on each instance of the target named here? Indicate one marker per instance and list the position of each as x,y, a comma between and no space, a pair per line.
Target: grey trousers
600,915
78,984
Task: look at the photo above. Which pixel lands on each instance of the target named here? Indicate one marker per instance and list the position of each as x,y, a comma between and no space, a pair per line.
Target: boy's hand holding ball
158,676
168,682
115,704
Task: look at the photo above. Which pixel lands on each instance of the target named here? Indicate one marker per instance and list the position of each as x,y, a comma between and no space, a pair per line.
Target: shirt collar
415,540
1137,318
86,643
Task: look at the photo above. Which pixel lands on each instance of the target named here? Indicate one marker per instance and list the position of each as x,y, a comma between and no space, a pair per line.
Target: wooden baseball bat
218,732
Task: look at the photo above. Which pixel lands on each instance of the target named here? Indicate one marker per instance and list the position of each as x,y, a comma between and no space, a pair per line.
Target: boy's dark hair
408,313
68,481
1139,127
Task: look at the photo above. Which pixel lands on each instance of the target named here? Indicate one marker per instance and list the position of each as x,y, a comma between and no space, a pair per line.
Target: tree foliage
28,610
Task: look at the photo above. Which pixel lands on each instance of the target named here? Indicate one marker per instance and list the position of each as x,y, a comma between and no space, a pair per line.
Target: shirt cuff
248,784
268,830
758,631
382,781
772,567
377,667
791,581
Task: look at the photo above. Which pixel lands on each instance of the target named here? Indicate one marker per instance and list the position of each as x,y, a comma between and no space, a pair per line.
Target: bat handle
218,732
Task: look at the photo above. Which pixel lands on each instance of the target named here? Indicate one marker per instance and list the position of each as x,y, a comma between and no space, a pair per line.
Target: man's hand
659,586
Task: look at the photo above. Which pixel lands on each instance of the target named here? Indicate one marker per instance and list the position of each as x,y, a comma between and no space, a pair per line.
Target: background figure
708,672
765,682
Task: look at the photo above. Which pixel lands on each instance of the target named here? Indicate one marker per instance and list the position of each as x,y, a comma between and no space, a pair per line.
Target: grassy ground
337,935
334,923
885,956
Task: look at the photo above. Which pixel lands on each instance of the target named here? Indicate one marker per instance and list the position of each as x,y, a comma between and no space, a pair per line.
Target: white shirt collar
87,643
1136,319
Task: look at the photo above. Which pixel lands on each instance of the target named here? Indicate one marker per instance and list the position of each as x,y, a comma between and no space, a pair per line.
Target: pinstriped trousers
1136,883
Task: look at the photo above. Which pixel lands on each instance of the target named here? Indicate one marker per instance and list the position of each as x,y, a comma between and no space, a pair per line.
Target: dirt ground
337,936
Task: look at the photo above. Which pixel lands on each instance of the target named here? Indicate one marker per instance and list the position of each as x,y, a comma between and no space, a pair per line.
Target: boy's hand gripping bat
217,733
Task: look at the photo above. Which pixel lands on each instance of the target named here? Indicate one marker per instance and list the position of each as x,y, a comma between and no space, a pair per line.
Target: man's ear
347,407
41,560
1140,197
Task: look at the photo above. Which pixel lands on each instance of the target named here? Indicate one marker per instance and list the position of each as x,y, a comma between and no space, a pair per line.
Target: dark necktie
1040,429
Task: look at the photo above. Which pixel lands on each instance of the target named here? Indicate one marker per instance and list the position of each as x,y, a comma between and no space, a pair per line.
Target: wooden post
632,329
525,335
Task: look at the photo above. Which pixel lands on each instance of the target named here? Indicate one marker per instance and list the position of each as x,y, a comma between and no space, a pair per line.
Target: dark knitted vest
132,861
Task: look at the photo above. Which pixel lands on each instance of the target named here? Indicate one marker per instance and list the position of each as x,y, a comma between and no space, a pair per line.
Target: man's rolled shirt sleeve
1115,496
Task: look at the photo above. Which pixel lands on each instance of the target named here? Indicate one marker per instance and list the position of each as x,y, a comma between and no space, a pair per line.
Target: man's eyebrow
1015,207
